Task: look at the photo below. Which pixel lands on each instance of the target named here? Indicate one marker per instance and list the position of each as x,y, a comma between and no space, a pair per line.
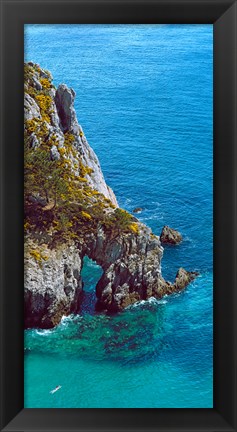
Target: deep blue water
144,100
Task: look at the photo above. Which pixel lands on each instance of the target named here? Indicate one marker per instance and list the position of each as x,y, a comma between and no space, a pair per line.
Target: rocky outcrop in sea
170,236
70,213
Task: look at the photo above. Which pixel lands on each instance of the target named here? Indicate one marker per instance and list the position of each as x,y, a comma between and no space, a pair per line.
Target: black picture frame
220,13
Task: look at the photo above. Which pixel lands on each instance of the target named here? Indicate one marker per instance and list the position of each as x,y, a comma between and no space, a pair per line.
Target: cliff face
53,285
70,213
131,272
51,109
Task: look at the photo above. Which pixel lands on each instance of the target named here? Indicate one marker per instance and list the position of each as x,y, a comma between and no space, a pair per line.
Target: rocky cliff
70,212
50,117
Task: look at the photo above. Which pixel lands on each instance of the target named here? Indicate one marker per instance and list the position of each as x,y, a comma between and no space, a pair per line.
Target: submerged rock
138,210
170,235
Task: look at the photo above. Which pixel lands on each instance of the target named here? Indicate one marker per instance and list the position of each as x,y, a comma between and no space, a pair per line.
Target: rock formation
137,210
131,272
170,236
53,284
54,109
70,212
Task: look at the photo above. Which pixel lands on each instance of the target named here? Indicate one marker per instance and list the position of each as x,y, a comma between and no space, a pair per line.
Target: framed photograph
118,296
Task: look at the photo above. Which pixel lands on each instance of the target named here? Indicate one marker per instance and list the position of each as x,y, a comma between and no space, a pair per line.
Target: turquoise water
144,99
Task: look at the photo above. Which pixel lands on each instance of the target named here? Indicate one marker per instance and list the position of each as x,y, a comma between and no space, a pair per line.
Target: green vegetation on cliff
60,204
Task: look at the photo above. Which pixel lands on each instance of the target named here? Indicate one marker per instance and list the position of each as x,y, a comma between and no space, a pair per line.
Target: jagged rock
44,73
170,235
52,93
38,200
64,100
36,84
34,142
63,120
53,285
55,122
54,154
31,109
58,136
183,278
137,210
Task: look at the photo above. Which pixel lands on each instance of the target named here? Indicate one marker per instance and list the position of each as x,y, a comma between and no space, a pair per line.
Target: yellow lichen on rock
38,255
45,83
86,215
134,228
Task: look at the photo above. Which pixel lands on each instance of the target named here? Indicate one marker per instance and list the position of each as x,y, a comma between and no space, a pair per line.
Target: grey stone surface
64,100
53,285
36,84
34,141
31,109
170,235
54,154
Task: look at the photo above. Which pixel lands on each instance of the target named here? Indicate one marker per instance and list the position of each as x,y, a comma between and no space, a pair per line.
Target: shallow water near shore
144,100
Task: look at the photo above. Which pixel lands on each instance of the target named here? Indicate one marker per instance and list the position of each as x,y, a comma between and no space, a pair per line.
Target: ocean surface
144,100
